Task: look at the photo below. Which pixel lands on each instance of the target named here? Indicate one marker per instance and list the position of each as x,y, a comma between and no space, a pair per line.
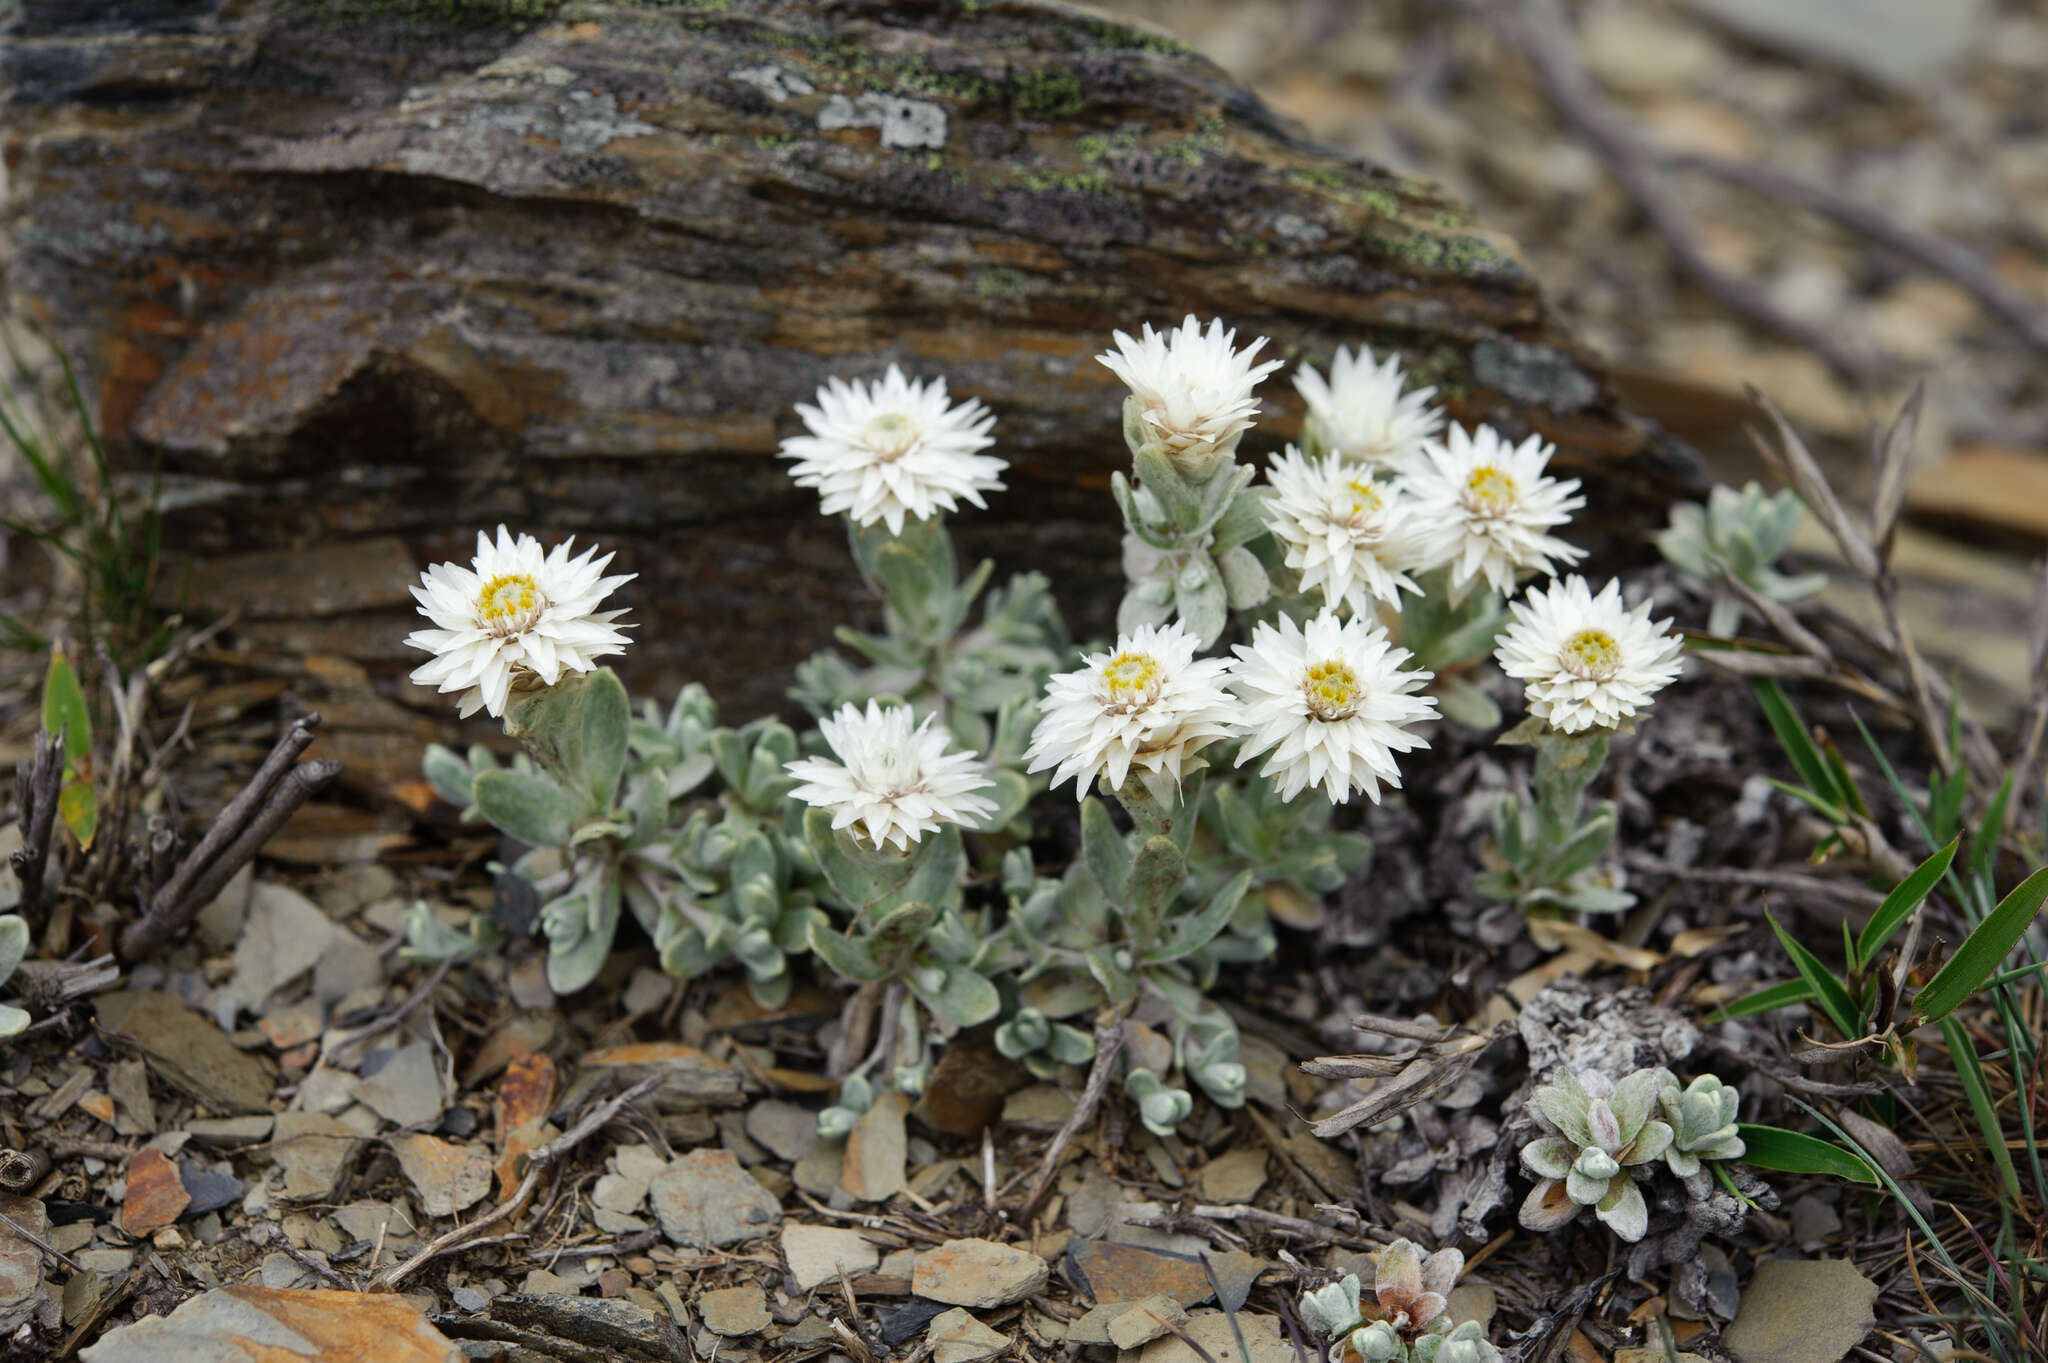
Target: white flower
1483,506
1148,704
898,782
515,615
1194,392
1587,661
1346,535
1362,413
1330,704
880,451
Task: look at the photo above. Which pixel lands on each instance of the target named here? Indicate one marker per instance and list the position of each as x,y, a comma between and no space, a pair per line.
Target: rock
283,937
219,924
209,1189
295,1024
21,1261
704,1200
613,1325
1236,1272
1802,1311
328,1091
367,1221
186,1050
156,1196
818,1172
248,1324
1115,1272
1140,1322
1213,1331
312,1149
787,1131
1040,1107
1234,1176
734,1310
957,1337
977,1273
230,1130
967,1088
346,965
907,1320
819,1254
128,1083
1904,43
1471,1301
449,1177
408,1090
876,1151
349,333
618,1193
526,1093
1813,1221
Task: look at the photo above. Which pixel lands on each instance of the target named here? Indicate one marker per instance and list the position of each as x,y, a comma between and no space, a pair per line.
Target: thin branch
1109,1043
38,778
235,817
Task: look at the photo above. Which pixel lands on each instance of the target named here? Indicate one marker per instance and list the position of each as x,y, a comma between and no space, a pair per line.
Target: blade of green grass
1827,991
1766,1000
1983,950
1794,1152
1962,1053
1900,903
1796,741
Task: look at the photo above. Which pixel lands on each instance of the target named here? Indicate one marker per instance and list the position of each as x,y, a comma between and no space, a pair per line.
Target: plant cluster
1407,1321
896,843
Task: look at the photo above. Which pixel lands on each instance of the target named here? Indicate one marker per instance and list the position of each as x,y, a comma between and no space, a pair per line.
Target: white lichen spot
772,81
903,122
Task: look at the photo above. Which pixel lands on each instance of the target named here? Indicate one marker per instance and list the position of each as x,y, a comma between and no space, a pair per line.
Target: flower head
897,782
515,616
1587,661
1361,413
1193,390
1485,505
880,451
1348,536
1331,704
1144,706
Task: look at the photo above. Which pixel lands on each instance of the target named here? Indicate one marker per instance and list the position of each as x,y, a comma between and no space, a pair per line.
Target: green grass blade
1962,1053
1793,1152
1984,846
1828,993
1983,950
1832,813
1900,903
1797,742
1766,1000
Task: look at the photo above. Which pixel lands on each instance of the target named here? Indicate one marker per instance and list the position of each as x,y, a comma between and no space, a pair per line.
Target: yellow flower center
1490,491
1365,498
508,602
1591,654
890,435
1331,690
1131,679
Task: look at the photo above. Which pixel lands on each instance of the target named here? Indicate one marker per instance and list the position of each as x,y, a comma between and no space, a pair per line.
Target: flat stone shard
747,202
705,1199
248,1324
1802,1311
819,1254
187,1051
977,1273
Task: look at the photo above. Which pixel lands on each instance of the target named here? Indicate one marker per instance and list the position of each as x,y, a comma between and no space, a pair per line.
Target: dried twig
538,1164
1443,1059
1109,1043
37,780
251,819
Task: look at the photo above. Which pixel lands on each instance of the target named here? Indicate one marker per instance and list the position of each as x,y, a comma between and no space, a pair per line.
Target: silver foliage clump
1738,536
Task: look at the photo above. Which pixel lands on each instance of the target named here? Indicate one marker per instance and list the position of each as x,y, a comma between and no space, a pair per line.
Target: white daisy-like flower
1193,389
1348,536
1361,412
515,617
1329,704
893,448
1483,507
1586,661
1143,707
897,781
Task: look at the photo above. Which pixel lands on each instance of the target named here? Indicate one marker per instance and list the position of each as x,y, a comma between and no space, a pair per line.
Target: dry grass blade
1888,452
1406,1079
1798,466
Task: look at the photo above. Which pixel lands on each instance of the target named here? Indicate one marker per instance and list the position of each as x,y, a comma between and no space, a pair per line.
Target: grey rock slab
785,1130
247,1323
1802,1311
283,937
818,1254
408,1090
977,1273
1899,42
186,1050
230,1130
21,1261
1140,1322
734,1310
449,1176
312,1149
705,1199
1213,1331
957,1337
209,1189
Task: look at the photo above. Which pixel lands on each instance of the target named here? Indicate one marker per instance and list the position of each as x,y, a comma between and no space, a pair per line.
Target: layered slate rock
366,274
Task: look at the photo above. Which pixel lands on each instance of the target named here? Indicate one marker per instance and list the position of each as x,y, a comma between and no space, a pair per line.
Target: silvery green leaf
1070,1045
14,941
843,955
962,998
1158,872
1244,578
1103,850
13,1021
1149,602
1243,521
427,938
687,955
448,774
1595,899
606,720
525,805
908,584
836,1123
574,961
1192,931
1463,702
1180,504
1199,597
